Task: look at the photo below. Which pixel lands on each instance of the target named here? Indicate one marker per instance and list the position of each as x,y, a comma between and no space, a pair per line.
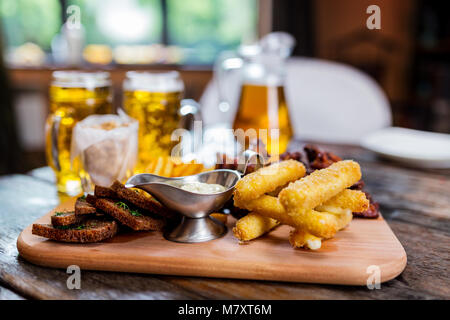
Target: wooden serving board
341,260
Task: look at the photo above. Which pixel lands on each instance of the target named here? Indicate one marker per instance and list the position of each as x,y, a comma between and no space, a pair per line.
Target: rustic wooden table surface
416,204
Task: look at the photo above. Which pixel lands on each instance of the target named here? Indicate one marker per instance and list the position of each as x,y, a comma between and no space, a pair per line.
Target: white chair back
328,102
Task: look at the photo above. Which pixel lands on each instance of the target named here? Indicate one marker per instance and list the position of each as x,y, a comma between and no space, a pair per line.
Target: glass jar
73,96
154,99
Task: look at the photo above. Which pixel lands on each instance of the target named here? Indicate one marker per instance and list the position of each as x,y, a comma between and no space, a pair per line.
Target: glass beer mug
73,96
155,100
261,106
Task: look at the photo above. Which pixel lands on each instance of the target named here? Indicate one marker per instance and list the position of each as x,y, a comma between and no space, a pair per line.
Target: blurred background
409,57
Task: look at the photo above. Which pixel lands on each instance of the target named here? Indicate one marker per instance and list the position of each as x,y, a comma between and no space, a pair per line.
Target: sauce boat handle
246,158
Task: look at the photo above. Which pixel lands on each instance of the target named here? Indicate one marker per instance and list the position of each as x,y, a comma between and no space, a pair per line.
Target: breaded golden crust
345,219
321,224
320,186
300,238
267,179
266,205
354,200
222,217
253,226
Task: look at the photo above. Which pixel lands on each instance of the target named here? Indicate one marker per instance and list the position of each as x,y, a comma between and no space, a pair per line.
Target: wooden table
416,204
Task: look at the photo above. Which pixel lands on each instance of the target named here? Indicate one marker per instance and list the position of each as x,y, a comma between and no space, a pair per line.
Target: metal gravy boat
196,225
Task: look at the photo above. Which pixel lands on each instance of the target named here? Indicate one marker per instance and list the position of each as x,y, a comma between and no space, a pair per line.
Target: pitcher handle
189,112
190,116
54,134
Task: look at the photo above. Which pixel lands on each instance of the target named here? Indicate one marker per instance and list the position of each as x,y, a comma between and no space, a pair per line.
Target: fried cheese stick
267,179
321,185
299,238
354,200
345,219
253,226
220,217
321,224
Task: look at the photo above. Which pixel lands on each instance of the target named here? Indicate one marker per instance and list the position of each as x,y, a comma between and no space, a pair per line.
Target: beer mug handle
224,66
54,134
190,113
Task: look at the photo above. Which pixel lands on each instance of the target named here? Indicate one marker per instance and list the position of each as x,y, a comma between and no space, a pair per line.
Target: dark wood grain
416,204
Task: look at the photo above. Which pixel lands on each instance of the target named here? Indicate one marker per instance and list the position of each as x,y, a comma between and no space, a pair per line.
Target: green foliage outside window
202,27
34,21
210,26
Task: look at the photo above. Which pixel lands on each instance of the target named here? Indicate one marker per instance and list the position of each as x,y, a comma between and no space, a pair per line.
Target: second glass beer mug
262,104
154,100
73,96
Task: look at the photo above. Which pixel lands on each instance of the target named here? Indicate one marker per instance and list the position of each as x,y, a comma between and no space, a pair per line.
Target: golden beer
264,107
73,96
154,100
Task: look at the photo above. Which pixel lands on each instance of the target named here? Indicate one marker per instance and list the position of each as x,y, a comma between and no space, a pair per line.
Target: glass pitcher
259,71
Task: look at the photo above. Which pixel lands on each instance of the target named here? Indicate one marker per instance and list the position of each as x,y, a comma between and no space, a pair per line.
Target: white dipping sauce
201,187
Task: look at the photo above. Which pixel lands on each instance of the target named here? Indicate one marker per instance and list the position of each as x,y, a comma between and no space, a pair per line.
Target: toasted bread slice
82,207
141,201
105,192
129,217
91,200
92,230
66,218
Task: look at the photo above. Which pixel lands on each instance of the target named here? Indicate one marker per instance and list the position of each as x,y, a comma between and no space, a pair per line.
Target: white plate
413,147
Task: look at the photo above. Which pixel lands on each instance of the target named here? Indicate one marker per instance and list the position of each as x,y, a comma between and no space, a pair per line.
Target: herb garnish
124,206
80,227
63,227
135,213
59,213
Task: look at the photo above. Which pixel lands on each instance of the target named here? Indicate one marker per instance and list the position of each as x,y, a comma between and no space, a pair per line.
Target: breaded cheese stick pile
320,186
267,179
316,206
253,226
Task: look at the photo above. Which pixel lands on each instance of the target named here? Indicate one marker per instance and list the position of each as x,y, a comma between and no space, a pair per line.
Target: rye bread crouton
129,217
91,200
105,192
141,201
83,207
92,230
66,218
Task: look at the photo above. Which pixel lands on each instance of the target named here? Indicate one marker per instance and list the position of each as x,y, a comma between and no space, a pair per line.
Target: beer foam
79,79
153,81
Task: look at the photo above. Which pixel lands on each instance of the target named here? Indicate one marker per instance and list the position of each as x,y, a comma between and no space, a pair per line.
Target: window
196,29
206,27
119,22
36,21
